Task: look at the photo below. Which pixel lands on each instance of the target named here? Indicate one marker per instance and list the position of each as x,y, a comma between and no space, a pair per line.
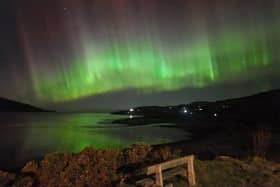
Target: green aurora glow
149,67
93,48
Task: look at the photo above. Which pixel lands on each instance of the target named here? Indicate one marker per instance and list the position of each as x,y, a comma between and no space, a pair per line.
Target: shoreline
226,148
225,151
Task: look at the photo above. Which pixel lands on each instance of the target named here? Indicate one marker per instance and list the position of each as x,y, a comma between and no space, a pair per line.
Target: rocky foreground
106,167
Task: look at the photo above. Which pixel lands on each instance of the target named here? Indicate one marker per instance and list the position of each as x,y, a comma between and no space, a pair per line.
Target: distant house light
225,106
185,111
199,108
131,110
215,114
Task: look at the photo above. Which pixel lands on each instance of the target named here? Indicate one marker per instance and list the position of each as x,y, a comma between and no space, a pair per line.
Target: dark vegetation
106,167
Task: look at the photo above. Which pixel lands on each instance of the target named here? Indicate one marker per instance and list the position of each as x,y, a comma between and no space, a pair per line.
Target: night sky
71,55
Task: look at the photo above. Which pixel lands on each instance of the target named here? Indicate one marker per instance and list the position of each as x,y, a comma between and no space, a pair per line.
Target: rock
6,178
83,159
31,166
24,182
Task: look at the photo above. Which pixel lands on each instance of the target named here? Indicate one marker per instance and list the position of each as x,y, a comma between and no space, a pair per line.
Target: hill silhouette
261,107
7,105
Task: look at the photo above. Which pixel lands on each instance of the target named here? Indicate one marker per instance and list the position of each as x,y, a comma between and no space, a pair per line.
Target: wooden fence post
159,180
191,172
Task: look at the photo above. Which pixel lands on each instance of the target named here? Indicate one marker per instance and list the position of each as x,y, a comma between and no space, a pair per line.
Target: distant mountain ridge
262,96
7,105
264,106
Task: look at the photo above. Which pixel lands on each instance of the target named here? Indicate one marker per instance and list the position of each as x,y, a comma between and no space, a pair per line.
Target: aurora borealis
67,50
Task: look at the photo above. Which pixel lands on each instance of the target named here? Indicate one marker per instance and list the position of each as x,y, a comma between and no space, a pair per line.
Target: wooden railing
182,166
